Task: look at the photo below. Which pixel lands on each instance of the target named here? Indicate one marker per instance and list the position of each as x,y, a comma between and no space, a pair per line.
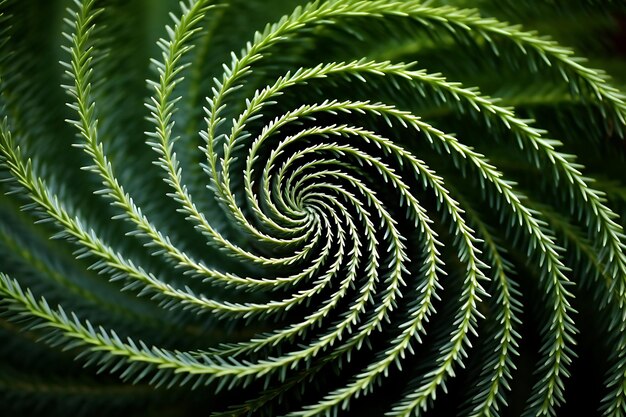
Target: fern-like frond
342,207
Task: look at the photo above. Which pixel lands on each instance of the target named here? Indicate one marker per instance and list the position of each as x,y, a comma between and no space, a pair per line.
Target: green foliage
363,207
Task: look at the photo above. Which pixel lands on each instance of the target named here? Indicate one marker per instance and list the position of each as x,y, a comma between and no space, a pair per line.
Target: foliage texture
345,207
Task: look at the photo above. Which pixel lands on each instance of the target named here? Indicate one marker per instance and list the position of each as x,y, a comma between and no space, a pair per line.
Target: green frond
342,207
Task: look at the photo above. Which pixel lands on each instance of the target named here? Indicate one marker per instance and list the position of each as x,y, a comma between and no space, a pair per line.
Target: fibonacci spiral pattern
308,225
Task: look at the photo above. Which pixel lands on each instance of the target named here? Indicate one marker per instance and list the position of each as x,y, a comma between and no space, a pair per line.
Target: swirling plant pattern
367,207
